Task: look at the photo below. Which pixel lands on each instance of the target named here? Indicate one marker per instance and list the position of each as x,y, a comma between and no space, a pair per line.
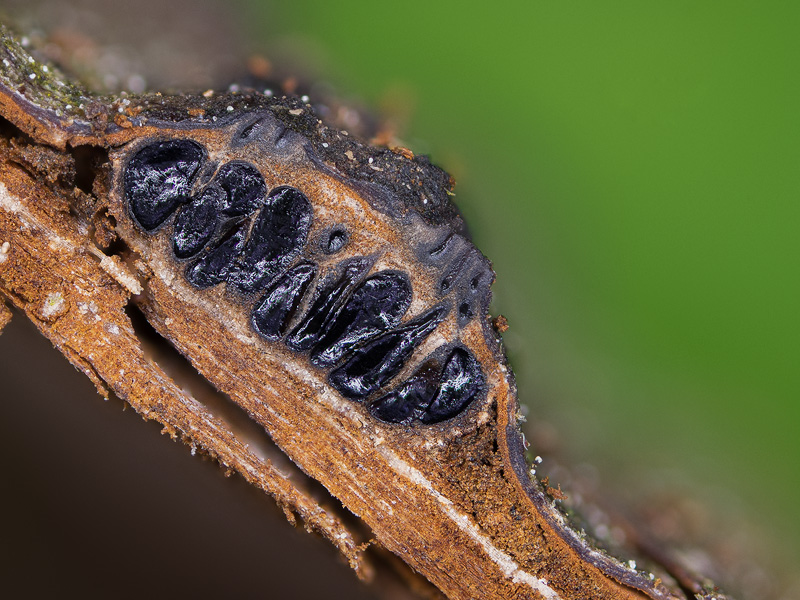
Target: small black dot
464,311
475,282
335,242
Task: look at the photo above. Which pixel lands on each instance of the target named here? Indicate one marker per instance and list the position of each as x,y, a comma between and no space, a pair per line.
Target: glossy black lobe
433,394
325,308
461,381
244,188
196,223
158,178
376,305
279,234
409,401
274,311
372,365
215,266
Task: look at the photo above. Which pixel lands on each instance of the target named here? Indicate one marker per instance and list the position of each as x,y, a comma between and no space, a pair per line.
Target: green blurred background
631,168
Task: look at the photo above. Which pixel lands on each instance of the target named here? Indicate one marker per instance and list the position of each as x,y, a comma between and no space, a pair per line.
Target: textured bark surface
455,501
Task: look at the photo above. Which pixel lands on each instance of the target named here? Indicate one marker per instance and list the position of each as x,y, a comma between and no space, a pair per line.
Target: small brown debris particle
296,111
557,494
404,151
133,111
349,154
500,324
196,112
208,93
122,120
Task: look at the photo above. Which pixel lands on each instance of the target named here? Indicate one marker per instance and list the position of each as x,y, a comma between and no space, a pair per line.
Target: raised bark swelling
453,499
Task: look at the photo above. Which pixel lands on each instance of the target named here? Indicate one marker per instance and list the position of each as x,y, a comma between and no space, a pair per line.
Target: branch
412,425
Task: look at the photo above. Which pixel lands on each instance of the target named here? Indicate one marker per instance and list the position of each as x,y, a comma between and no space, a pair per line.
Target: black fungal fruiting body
376,305
230,228
274,311
159,178
326,307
